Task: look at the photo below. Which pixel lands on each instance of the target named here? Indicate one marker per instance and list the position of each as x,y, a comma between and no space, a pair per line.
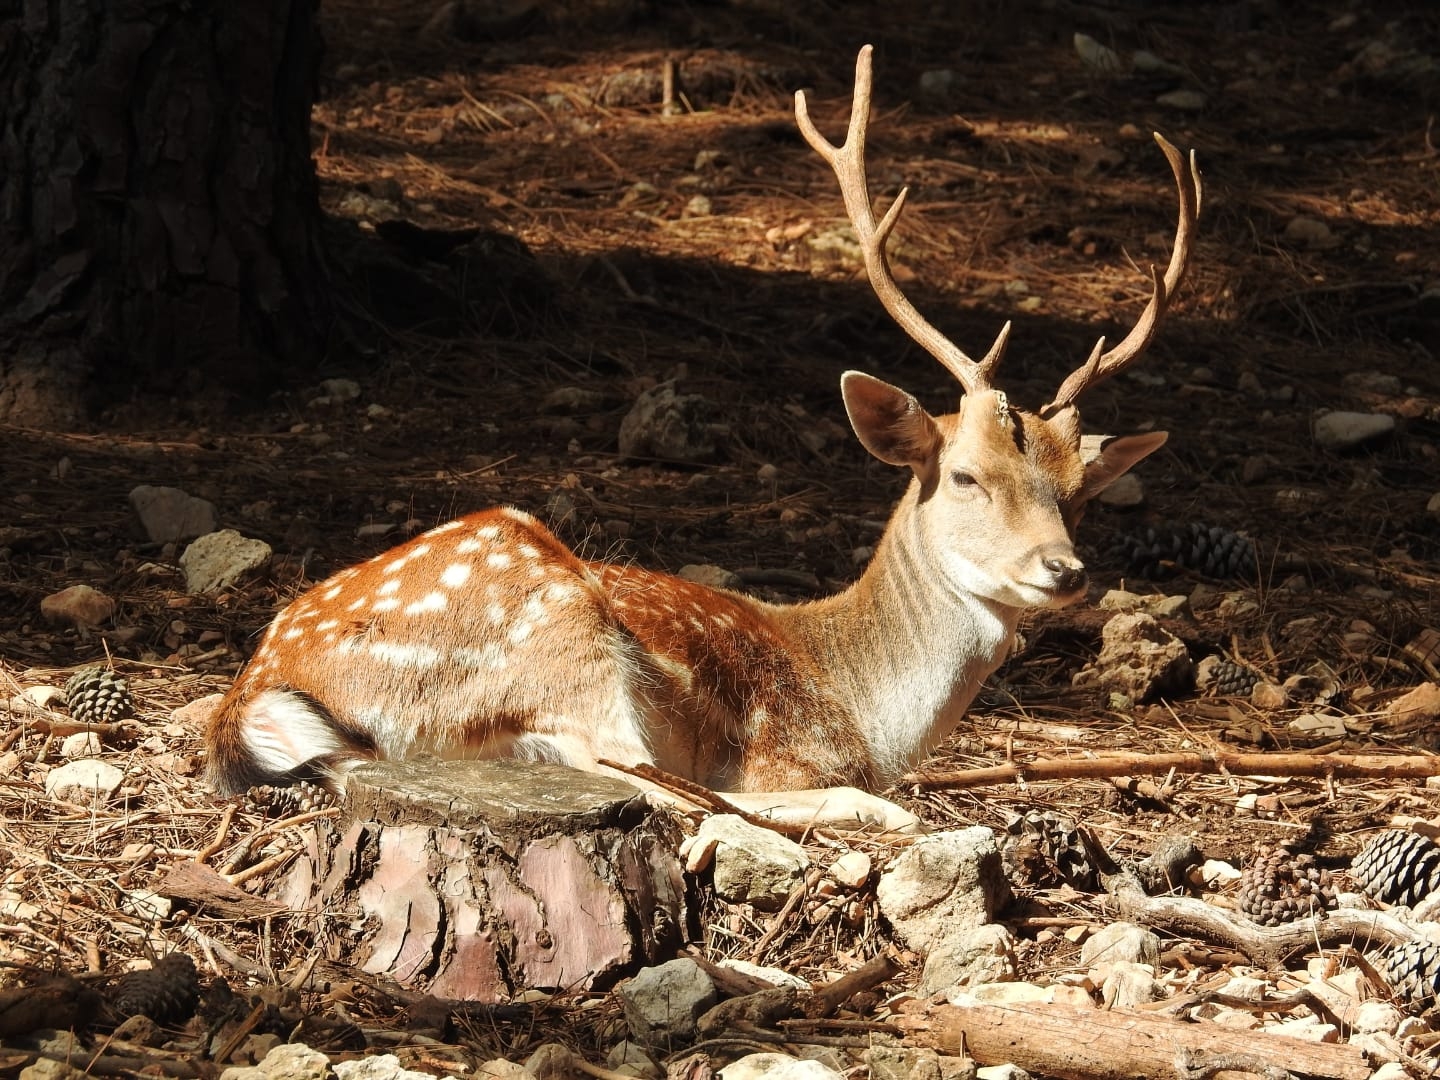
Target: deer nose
1069,573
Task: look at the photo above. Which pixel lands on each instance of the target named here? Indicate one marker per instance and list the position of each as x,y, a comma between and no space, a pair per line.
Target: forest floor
704,243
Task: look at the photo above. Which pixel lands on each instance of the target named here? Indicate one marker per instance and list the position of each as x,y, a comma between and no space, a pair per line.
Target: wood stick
1376,766
829,997
1115,1044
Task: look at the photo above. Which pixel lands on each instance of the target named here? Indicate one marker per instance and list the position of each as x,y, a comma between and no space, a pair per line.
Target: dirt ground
705,243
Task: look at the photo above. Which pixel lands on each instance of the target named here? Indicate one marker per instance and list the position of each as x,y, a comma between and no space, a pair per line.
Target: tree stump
474,880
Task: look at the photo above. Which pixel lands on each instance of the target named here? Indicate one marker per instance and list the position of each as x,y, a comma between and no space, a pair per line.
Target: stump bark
474,880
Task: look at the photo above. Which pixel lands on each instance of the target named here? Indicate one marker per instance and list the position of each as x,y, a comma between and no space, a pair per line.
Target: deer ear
1107,458
891,424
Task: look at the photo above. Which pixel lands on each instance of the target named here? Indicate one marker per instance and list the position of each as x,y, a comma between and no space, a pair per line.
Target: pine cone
1412,971
167,993
1280,885
1234,680
96,695
300,798
1041,848
1398,867
1158,552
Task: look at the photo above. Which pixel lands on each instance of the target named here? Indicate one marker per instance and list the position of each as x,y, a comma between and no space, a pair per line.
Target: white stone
774,976
942,882
1124,493
1121,941
83,744
969,957
1309,233
1007,1071
84,782
777,1067
1129,985
752,864
1345,430
79,606
218,560
852,869
168,514
1183,100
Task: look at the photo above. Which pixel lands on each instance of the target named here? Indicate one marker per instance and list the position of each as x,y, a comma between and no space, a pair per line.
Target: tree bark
159,217
475,880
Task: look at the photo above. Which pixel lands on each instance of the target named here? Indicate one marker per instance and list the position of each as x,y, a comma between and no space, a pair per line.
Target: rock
1256,468
777,1067
662,1004
499,1069
1317,727
670,426
937,83
288,1061
1005,993
50,1069
377,1067
1269,696
713,577
969,957
337,390
1006,1071
1433,505
552,1061
752,864
1376,1015
1124,493
1162,607
902,1063
774,976
1308,232
218,560
168,514
1374,382
79,606
1418,706
1183,100
628,1055
1121,942
943,882
1097,57
1129,985
571,399
1139,659
83,744
851,870
84,782
1347,430
763,1008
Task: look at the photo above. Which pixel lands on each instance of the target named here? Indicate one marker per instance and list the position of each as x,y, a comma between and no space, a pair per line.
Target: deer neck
904,649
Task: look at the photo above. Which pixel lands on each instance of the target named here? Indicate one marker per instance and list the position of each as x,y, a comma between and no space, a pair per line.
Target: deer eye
961,479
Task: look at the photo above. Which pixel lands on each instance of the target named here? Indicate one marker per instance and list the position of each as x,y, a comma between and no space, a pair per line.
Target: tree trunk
478,879
159,218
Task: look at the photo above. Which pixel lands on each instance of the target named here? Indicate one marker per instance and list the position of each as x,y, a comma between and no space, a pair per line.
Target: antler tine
1101,366
848,163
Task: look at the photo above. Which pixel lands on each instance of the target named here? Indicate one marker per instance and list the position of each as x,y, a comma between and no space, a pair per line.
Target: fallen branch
1265,946
1377,766
1095,1044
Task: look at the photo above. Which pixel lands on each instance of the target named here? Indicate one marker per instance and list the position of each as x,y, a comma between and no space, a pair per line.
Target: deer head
1011,483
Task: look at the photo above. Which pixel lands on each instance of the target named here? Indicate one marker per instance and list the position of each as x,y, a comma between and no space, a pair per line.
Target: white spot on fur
529,551
357,603
431,601
455,575
491,656
411,656
498,613
488,532
388,587
498,560
388,603
328,624
332,592
293,633
517,515
468,546
449,526
520,632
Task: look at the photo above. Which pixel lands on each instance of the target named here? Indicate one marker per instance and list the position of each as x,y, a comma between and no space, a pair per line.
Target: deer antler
1101,364
848,162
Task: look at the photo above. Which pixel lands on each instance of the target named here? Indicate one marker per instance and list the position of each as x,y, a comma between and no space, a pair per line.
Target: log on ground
474,880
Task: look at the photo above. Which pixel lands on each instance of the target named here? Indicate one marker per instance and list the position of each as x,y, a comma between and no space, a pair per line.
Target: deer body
487,637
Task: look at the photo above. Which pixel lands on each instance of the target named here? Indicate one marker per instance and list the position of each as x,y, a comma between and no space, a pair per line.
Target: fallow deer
486,637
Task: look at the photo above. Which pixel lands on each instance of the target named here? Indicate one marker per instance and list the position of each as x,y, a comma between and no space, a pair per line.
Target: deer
487,637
